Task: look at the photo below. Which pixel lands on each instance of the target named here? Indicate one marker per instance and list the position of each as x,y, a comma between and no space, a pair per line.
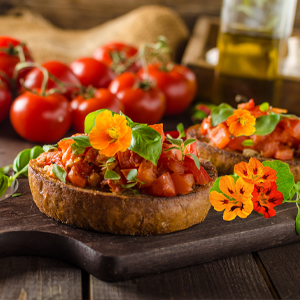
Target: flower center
114,134
242,120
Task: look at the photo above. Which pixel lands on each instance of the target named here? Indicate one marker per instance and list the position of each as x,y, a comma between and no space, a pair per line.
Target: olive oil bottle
248,66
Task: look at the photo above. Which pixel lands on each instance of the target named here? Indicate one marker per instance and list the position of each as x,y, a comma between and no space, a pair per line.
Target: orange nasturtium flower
110,133
236,198
241,123
255,173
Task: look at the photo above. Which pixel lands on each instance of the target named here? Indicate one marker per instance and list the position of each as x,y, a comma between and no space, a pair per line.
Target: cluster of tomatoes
53,96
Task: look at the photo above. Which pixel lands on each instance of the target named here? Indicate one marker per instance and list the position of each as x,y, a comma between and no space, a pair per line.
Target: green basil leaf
176,142
180,129
59,172
297,225
221,113
264,106
146,142
188,142
20,164
285,179
82,140
89,121
77,149
48,148
266,124
3,184
248,142
110,174
129,121
5,169
196,160
172,148
132,175
129,185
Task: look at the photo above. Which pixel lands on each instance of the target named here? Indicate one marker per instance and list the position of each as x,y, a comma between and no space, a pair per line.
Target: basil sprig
145,140
20,166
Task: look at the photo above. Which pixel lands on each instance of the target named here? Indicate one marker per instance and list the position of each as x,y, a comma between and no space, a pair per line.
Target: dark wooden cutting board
24,230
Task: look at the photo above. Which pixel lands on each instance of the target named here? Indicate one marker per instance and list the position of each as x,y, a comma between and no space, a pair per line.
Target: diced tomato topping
124,159
65,144
159,128
284,153
48,158
116,185
256,112
174,134
172,164
295,128
163,186
220,136
181,185
200,175
147,173
236,143
174,153
191,148
249,105
205,126
135,159
76,178
189,179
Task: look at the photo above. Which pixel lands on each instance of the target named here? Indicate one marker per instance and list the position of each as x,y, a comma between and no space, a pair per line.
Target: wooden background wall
82,14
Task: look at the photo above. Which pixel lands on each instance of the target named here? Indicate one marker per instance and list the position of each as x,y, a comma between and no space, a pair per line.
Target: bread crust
225,159
126,213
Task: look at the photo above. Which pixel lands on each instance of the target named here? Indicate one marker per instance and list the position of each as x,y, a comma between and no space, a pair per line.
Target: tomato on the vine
92,72
118,56
177,83
11,50
142,102
94,100
59,70
5,101
38,118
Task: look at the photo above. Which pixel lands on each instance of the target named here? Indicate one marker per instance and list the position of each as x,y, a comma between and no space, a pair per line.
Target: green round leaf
221,113
266,124
285,179
59,172
3,184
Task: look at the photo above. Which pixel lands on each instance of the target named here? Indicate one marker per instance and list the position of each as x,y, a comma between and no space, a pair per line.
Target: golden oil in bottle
248,66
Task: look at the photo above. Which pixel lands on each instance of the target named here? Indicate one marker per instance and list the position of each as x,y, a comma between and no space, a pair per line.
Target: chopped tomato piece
295,128
65,144
174,134
172,164
135,159
124,159
191,148
181,186
189,179
163,186
147,173
284,153
116,185
174,153
205,126
200,175
236,143
265,145
256,112
249,105
220,136
159,128
75,177
48,158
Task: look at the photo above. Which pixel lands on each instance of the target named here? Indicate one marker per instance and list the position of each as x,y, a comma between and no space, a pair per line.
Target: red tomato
181,185
163,186
191,148
284,153
10,56
5,101
236,143
220,136
92,72
200,175
248,105
81,106
147,173
159,128
42,119
172,164
61,71
178,84
116,56
141,104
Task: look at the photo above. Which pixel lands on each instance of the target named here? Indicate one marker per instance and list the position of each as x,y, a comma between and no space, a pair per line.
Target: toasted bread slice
126,213
225,159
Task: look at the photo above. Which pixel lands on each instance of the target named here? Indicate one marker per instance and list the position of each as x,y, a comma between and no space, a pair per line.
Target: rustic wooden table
267,274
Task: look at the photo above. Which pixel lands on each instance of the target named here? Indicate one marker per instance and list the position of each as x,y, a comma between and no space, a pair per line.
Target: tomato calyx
120,63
